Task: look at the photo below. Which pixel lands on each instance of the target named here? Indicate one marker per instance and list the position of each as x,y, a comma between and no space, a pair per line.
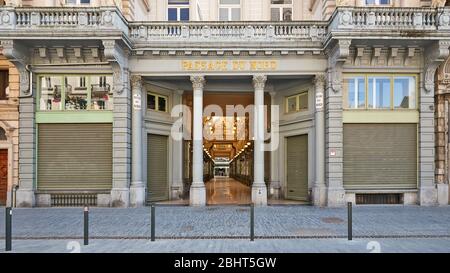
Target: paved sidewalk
232,222
235,246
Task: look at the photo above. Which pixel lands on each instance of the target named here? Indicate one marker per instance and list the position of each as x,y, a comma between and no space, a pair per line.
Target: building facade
356,93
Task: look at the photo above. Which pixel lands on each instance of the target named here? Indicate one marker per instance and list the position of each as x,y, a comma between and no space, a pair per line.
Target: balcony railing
229,31
373,19
83,18
385,18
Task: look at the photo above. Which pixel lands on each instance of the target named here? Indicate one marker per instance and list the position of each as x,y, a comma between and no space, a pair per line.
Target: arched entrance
228,147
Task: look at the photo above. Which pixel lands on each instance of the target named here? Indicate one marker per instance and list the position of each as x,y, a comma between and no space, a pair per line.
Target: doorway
3,176
297,168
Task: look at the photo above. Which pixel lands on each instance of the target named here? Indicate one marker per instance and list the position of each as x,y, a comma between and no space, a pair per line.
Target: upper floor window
73,93
380,92
78,2
4,84
229,10
156,102
297,103
281,10
178,10
378,2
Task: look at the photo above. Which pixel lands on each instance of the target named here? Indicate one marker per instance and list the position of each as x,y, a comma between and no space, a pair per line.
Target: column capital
319,79
136,82
259,81
198,81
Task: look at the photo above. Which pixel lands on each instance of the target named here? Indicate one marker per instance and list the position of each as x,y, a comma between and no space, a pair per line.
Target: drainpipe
13,195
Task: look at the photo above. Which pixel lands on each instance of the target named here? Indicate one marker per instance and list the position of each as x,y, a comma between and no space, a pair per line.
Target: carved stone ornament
259,81
136,82
198,82
17,54
434,57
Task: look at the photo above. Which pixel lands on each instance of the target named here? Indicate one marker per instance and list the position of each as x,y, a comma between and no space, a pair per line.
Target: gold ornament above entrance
229,65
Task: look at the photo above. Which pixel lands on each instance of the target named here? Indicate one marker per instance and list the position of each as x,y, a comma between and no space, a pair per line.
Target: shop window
405,92
178,10
356,92
378,2
229,10
380,92
297,103
101,93
75,93
156,102
281,10
50,96
4,84
379,96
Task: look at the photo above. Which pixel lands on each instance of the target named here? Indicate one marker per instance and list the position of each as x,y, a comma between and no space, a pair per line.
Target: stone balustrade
230,31
62,18
110,18
385,18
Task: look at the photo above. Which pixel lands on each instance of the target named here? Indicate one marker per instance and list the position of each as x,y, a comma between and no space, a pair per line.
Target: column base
428,196
120,197
25,198
259,194
137,195
442,194
336,197
275,190
319,196
197,195
176,192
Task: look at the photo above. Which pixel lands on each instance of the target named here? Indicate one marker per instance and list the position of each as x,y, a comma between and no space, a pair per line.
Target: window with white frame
378,2
281,10
229,10
178,10
78,2
390,92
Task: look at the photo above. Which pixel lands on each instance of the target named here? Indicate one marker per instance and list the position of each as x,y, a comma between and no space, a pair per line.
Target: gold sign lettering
232,66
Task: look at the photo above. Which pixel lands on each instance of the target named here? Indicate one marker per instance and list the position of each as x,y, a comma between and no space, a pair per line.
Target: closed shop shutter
380,156
297,168
74,157
157,152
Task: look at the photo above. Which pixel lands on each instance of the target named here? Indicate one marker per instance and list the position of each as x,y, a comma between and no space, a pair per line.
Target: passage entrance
157,152
3,176
297,168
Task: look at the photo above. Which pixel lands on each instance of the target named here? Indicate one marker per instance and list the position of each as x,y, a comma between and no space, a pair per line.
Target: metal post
8,231
86,226
350,221
252,222
152,222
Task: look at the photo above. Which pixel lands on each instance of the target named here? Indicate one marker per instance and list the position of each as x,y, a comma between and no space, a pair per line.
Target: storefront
351,114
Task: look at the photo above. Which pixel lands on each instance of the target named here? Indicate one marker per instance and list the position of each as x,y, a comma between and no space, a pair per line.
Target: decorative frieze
384,56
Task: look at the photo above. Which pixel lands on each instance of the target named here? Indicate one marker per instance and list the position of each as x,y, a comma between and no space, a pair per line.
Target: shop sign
229,65
319,100
137,102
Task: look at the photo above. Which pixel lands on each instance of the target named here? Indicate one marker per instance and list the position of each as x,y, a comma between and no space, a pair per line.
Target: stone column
198,191
137,188
259,190
275,186
176,188
319,188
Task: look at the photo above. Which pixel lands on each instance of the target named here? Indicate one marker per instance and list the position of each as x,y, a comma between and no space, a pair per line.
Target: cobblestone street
277,222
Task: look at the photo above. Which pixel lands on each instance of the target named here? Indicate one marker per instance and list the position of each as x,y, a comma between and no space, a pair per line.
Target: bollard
86,226
152,228
8,231
350,221
252,222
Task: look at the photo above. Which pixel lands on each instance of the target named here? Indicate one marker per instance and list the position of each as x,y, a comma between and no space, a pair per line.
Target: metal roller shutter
297,168
74,157
380,156
157,152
